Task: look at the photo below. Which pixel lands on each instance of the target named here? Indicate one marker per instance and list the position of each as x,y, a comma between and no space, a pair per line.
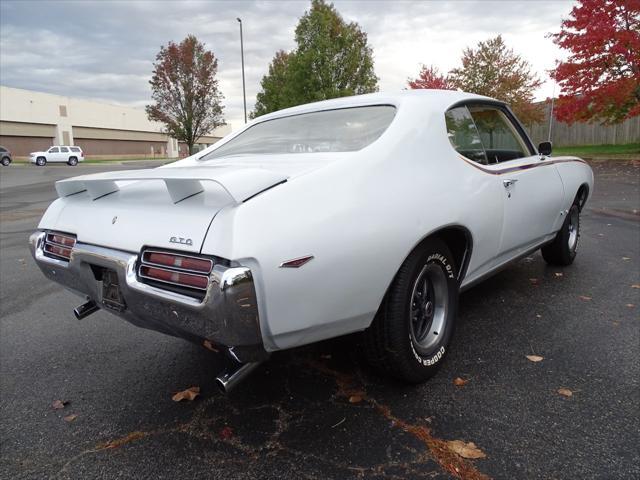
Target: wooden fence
565,135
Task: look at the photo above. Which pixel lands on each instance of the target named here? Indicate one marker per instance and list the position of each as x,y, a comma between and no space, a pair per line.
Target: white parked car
361,214
58,153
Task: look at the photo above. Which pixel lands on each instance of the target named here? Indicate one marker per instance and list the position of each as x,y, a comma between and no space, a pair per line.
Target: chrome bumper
227,316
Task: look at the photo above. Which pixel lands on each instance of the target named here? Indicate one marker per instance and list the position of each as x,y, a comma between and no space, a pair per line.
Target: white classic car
361,214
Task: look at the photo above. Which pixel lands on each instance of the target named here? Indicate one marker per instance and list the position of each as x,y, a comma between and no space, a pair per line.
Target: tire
73,161
411,332
6,161
41,161
562,250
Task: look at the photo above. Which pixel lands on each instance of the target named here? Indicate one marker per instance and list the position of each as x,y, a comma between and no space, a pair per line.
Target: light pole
244,92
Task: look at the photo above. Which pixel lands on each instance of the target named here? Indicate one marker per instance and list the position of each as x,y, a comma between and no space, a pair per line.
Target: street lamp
244,92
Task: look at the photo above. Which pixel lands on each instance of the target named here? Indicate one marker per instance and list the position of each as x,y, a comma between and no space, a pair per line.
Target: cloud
105,50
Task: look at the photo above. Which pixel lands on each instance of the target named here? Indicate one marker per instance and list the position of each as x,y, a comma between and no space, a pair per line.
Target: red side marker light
296,262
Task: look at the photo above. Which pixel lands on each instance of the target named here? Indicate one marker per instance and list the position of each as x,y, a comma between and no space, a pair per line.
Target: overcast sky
104,49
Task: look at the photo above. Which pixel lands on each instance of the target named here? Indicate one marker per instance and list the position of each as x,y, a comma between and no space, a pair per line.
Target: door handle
509,182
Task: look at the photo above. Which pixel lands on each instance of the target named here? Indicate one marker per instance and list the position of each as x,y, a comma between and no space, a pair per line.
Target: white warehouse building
31,121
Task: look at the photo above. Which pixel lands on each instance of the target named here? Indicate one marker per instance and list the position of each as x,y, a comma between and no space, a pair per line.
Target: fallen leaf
559,274
325,356
355,399
188,394
70,418
465,450
626,258
59,404
534,281
635,285
209,346
538,315
565,392
226,433
535,358
585,298
630,305
460,382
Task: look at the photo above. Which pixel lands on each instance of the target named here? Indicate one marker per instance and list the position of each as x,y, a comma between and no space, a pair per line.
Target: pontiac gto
366,213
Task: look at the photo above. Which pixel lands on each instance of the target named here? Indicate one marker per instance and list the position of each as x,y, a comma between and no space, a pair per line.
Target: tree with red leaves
430,77
185,91
601,78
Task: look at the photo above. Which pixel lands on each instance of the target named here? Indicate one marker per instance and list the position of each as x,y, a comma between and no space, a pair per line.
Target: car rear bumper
227,316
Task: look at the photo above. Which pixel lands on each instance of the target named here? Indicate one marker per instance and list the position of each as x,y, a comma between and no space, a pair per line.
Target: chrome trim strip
186,270
140,274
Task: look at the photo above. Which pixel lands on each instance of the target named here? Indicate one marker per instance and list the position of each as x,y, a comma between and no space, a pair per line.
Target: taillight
183,271
59,245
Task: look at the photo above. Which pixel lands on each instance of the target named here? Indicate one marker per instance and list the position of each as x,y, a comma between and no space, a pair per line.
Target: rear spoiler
181,182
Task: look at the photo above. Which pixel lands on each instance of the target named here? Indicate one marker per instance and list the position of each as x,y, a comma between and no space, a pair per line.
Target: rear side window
341,130
75,149
463,134
64,149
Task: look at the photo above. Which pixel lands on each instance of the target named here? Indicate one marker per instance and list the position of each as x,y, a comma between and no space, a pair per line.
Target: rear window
75,149
341,130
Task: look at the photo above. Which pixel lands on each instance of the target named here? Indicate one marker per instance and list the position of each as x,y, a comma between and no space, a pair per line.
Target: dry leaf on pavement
459,382
59,404
534,281
635,285
70,418
535,358
559,274
188,394
565,392
209,346
355,399
465,450
585,298
226,433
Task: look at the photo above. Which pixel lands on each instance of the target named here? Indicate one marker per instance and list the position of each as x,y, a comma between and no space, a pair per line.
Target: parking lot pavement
317,412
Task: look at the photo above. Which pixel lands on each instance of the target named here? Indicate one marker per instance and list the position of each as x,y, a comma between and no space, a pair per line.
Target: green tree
496,71
275,93
185,91
332,59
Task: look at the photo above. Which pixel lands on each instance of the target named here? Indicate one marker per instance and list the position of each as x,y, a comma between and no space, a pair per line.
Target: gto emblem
183,241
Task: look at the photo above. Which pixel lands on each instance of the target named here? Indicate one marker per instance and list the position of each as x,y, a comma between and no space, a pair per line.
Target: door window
463,134
501,141
54,150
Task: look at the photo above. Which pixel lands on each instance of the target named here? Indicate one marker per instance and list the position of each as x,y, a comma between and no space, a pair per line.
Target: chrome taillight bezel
196,291
58,245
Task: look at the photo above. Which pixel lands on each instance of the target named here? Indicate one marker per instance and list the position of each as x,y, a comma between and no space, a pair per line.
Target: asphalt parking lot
318,412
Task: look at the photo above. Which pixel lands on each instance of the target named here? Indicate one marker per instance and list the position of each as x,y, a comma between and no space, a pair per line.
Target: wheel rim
428,307
573,227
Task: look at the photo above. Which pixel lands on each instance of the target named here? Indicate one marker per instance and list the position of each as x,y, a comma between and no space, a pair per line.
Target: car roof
434,100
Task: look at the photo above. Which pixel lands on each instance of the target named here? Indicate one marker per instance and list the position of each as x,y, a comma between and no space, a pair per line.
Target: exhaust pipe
85,309
229,379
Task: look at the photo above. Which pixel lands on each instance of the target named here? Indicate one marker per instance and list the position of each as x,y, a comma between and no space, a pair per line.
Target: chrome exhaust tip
86,309
229,379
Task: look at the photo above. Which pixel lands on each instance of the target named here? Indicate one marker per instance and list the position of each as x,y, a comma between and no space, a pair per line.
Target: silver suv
58,153
5,156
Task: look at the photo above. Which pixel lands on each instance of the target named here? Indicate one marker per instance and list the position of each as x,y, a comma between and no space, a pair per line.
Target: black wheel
410,334
562,250
73,161
41,161
6,161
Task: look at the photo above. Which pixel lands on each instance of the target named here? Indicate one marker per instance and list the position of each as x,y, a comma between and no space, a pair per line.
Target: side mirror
544,148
